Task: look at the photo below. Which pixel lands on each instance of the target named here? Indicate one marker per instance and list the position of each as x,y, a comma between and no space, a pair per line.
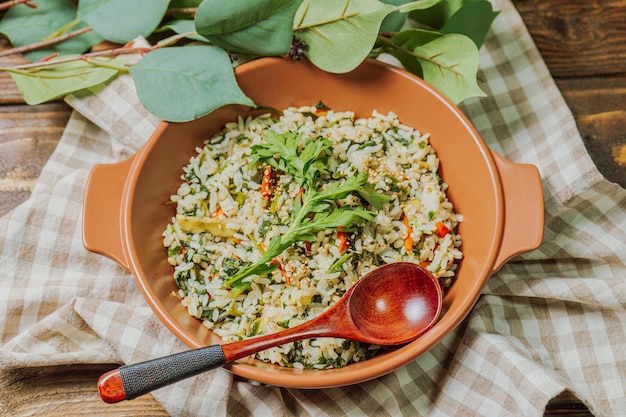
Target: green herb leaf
336,267
24,26
318,210
201,78
373,197
450,63
261,27
42,84
472,20
336,190
331,27
305,165
121,20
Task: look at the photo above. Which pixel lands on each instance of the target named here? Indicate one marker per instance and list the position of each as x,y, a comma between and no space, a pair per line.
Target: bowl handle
523,209
102,231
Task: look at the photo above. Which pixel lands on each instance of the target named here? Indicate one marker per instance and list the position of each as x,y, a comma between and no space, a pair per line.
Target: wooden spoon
391,305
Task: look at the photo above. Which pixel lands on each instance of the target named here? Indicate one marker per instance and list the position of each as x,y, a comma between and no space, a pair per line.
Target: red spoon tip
111,388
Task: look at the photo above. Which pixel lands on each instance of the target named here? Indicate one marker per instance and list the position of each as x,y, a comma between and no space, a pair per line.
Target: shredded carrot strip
219,213
284,274
300,193
343,241
275,261
408,240
266,182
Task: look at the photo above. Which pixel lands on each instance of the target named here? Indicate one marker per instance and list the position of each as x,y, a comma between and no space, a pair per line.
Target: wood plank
66,391
599,108
28,136
9,93
578,37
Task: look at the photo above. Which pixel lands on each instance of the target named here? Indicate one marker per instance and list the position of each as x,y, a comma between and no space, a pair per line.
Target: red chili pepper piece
266,182
442,230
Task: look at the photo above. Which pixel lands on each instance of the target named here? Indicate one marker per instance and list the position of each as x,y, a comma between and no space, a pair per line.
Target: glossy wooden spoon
391,305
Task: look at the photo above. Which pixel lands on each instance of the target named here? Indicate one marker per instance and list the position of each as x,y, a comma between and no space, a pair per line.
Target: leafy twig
84,57
385,41
38,75
8,4
125,50
45,43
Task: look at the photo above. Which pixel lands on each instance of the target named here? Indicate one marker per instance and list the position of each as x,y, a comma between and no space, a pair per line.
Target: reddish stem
107,52
9,4
43,44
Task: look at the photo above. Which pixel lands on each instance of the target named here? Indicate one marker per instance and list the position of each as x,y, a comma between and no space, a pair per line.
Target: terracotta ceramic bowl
501,201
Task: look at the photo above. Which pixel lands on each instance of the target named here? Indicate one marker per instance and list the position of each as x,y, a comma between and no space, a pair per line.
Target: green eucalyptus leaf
260,27
409,6
121,21
435,17
39,85
472,20
24,26
179,84
393,22
450,63
406,42
182,4
339,34
182,26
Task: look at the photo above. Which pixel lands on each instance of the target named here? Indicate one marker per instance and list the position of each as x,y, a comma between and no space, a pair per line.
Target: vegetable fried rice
278,215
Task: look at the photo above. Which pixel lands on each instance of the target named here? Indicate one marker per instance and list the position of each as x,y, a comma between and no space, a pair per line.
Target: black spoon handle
131,381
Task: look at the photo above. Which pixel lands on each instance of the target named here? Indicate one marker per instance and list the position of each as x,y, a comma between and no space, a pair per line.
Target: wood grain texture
583,42
65,391
599,108
578,37
28,135
9,91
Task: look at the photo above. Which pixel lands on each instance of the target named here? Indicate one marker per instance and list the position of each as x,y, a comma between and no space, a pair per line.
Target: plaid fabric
549,320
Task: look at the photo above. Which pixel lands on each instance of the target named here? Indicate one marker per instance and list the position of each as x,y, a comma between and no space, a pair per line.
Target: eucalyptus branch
353,28
172,40
125,50
45,76
8,4
63,30
94,62
45,43
385,41
85,57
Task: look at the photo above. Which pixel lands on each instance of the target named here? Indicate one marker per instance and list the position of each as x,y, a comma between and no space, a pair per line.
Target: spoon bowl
391,305
395,305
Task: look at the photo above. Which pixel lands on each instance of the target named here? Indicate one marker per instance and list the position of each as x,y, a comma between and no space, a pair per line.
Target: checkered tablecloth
549,320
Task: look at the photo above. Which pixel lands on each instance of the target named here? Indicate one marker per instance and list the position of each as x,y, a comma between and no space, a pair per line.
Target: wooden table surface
584,45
